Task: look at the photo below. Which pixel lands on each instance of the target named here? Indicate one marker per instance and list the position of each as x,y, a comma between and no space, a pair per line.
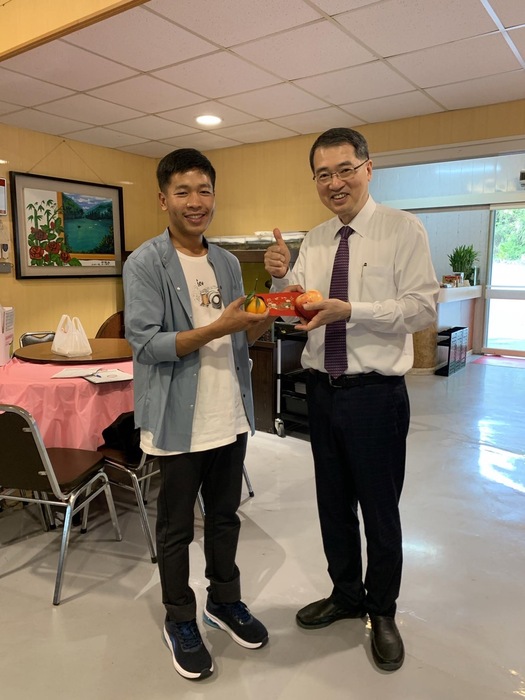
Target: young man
378,289
193,403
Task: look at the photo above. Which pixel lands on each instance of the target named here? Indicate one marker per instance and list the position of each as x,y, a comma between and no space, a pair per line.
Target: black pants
218,473
358,438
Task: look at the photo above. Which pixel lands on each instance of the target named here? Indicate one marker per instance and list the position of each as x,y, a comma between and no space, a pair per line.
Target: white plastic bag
70,338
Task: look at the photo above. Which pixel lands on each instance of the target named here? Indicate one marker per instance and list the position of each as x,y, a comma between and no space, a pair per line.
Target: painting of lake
88,224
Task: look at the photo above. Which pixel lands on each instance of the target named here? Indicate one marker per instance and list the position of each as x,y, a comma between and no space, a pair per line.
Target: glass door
504,332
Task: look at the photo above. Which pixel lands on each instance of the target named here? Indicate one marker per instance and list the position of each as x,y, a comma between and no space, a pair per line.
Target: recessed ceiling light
208,120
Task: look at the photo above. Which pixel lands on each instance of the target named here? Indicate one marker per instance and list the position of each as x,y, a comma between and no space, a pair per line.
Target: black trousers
218,473
358,438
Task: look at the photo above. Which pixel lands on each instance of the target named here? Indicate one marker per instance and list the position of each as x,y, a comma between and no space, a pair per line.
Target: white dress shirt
392,287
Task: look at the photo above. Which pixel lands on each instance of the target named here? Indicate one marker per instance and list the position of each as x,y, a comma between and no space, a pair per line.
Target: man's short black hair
338,137
181,161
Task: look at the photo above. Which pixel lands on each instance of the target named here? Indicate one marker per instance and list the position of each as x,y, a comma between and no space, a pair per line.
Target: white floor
461,610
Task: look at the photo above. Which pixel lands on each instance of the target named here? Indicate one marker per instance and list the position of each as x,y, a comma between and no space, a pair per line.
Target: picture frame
66,228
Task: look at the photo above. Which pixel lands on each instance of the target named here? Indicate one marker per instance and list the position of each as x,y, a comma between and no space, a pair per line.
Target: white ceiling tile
275,101
218,75
399,26
149,149
408,104
99,136
38,121
333,7
319,120
123,38
229,116
203,141
509,12
518,37
257,131
482,91
68,66
147,94
460,60
290,54
26,91
231,22
89,109
356,84
6,107
152,127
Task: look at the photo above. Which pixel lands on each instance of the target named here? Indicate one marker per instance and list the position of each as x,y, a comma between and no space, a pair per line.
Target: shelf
256,255
447,294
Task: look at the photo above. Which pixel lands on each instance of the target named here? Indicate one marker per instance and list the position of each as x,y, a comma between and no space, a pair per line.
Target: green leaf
248,299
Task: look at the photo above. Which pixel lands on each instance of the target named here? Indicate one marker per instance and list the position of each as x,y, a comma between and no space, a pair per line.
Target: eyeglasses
345,173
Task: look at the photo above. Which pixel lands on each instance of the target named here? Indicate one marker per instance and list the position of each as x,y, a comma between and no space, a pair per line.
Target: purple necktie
335,358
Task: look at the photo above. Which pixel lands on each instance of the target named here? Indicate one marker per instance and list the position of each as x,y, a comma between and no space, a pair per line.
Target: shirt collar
361,220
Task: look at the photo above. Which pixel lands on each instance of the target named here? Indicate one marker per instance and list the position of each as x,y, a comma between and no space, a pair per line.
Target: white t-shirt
219,412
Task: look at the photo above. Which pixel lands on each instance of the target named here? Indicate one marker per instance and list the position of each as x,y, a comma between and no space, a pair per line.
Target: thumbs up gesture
277,256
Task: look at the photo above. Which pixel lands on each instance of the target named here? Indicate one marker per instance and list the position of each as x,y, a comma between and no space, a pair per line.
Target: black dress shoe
323,612
387,646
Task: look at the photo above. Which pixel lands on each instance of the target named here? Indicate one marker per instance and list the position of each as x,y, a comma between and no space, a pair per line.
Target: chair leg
112,511
248,482
85,513
44,513
145,482
201,503
143,517
63,552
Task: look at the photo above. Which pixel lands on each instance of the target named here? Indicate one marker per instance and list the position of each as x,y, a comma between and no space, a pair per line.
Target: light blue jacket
157,307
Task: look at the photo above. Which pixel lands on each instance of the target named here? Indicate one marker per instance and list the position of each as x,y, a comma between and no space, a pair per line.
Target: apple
312,296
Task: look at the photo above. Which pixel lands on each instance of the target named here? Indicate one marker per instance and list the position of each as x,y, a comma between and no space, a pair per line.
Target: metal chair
126,473
55,477
135,475
32,337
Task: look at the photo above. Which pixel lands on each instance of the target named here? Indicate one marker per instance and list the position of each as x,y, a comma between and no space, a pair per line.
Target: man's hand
330,310
237,319
277,256
232,320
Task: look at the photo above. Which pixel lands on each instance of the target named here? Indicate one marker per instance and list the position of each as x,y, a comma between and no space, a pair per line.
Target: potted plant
462,259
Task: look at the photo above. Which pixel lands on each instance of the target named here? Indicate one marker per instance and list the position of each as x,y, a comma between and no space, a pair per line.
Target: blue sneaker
190,657
238,622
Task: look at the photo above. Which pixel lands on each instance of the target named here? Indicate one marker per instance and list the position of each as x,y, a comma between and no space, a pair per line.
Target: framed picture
66,228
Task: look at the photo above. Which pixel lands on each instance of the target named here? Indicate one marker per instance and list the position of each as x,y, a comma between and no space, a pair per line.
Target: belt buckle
332,380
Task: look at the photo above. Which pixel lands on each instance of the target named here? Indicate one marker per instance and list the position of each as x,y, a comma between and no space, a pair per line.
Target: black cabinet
279,390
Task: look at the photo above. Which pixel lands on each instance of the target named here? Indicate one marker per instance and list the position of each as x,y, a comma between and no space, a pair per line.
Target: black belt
349,381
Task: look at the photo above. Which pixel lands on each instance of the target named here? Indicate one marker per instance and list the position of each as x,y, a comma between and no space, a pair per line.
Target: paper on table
76,372
108,375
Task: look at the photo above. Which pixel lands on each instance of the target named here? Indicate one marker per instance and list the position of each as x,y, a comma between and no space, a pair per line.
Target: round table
103,350
69,411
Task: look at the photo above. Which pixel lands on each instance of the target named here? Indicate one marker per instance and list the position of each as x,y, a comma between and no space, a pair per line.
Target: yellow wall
39,303
29,23
259,186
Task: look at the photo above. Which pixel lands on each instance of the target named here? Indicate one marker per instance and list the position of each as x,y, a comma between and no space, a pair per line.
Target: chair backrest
113,327
32,337
24,462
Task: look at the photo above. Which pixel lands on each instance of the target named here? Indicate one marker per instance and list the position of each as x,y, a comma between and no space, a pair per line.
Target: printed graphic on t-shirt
206,295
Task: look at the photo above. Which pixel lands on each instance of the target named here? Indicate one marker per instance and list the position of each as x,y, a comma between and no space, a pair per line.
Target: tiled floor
461,610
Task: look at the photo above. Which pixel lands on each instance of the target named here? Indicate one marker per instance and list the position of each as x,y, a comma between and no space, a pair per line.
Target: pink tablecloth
69,412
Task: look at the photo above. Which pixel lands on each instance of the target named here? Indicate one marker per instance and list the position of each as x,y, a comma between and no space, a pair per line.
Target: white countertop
447,294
